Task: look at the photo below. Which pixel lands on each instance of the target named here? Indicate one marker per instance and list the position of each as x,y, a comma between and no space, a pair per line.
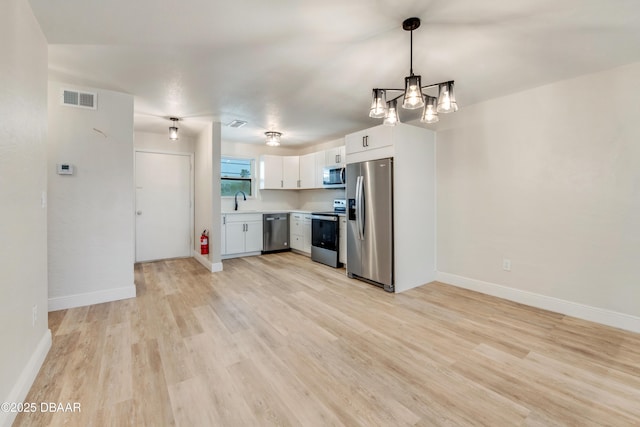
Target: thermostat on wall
65,169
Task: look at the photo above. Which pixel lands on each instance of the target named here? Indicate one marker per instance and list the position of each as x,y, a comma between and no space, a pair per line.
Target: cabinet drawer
243,217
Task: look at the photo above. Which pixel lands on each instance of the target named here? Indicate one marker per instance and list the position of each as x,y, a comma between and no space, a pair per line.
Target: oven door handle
360,207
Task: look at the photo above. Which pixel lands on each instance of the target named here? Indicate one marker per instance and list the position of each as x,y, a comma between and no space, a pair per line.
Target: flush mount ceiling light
173,130
413,97
273,138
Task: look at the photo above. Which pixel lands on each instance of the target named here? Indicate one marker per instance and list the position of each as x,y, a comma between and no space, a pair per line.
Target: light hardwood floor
281,340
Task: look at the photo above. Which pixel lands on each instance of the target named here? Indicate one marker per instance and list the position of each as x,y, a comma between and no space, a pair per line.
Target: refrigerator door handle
360,206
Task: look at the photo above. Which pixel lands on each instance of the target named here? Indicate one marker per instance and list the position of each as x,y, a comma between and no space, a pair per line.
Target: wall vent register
79,99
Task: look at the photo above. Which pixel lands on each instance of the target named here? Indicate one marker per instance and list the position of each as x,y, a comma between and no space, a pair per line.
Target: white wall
23,220
91,226
207,195
321,146
319,200
550,179
161,142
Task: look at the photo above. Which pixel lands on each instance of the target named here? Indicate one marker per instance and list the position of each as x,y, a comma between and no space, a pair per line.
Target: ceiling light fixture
173,130
414,98
273,138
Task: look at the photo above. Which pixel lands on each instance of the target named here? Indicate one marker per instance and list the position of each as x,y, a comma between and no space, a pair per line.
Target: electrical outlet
506,264
34,313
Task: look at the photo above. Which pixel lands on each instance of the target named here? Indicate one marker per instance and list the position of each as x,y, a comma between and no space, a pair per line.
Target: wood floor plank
281,340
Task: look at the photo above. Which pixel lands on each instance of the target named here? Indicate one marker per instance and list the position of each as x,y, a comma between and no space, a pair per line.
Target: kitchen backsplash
269,200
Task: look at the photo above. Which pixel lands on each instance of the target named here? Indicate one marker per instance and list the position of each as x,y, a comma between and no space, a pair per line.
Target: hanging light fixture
173,130
273,138
412,94
391,117
430,112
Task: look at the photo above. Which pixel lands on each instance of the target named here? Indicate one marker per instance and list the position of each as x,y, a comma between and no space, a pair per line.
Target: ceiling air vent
74,98
236,124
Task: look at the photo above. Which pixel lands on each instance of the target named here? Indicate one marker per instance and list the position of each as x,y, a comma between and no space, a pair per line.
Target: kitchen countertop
289,211
266,211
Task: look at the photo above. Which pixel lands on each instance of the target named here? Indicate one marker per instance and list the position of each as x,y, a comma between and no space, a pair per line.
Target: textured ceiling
306,68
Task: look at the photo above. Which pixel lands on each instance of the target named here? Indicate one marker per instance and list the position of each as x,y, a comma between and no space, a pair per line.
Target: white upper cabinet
279,172
308,171
271,172
291,172
298,172
335,156
311,166
369,139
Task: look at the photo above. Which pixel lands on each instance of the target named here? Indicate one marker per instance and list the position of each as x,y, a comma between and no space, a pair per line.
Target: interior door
163,206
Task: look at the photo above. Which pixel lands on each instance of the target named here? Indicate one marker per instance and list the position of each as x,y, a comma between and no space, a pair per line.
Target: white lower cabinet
307,233
223,235
242,234
300,229
342,247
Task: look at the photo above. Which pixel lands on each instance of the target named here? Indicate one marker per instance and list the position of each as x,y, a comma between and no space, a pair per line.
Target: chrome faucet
236,198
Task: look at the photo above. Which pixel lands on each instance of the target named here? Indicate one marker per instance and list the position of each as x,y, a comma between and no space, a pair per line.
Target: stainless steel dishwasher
275,228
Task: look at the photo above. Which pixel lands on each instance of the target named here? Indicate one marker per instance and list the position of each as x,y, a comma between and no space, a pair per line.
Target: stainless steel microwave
333,177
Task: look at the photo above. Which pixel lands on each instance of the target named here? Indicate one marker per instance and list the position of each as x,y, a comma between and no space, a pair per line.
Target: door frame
191,195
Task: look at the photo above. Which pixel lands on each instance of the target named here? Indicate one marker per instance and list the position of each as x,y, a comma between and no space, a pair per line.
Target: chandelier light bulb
378,104
446,98
412,93
430,113
391,118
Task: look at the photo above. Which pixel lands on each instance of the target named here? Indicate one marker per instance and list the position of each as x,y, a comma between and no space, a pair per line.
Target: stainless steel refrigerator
370,222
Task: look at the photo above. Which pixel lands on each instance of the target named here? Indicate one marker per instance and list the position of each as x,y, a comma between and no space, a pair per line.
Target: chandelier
412,93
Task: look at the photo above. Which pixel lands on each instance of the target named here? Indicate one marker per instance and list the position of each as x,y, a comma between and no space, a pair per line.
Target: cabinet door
223,236
320,164
376,137
271,172
307,234
334,156
253,236
295,223
308,171
297,242
290,172
235,237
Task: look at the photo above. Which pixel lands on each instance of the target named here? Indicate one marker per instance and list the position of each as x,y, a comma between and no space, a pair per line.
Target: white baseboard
90,298
242,255
569,308
21,388
213,267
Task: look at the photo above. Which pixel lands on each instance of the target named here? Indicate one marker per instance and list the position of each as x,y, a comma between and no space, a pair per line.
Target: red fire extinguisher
204,243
